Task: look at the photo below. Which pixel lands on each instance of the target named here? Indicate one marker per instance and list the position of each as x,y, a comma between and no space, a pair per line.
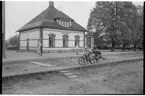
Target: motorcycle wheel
92,60
81,60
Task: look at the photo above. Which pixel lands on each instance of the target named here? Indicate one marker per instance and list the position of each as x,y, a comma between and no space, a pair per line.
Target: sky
18,13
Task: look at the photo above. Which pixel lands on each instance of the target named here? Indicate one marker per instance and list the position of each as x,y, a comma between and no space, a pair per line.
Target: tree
136,25
120,21
98,38
7,44
131,24
14,41
140,27
106,15
123,26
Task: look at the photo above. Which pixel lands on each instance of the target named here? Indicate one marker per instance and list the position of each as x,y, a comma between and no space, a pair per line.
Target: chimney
51,4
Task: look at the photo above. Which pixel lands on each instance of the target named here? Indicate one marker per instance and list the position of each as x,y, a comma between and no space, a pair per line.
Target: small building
54,29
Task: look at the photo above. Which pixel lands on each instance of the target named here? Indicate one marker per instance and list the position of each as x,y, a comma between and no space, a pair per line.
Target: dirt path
55,64
124,78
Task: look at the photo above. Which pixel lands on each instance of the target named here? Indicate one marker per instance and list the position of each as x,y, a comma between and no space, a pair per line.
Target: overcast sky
18,13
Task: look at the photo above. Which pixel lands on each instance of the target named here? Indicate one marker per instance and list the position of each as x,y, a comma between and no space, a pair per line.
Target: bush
12,48
103,47
140,48
59,51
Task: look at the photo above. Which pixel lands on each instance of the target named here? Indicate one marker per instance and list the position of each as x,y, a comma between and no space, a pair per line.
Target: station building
54,29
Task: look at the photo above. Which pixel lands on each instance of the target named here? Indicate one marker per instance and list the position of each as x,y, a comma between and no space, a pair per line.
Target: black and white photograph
72,47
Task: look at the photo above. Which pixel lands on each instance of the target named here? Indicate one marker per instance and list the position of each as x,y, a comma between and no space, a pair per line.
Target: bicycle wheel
81,60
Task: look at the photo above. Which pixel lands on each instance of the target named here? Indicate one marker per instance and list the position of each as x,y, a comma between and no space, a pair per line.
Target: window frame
52,36
65,40
63,23
77,40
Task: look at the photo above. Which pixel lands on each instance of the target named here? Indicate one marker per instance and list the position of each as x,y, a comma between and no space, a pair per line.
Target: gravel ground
123,78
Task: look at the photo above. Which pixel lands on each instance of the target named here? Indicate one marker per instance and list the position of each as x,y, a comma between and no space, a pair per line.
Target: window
77,41
51,40
59,22
63,23
65,40
70,23
66,24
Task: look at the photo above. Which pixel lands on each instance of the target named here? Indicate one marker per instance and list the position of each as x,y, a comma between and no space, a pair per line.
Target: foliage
14,41
136,25
122,22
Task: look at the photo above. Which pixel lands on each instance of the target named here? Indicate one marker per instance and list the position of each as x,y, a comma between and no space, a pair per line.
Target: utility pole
3,27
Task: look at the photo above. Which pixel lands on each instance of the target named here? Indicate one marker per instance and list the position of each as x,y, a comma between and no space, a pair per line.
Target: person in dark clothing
97,53
41,50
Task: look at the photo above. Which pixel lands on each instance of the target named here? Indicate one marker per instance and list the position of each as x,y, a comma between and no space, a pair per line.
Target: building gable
48,19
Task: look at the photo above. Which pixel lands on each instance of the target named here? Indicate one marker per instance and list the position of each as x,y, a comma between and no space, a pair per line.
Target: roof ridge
47,19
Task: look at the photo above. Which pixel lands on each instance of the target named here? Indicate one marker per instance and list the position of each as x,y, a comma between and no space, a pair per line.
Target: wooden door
89,42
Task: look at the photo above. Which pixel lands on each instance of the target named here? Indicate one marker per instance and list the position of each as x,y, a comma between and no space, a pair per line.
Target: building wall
33,36
59,38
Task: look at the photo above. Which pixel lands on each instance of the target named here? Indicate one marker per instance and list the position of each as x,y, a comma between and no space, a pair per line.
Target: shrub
12,48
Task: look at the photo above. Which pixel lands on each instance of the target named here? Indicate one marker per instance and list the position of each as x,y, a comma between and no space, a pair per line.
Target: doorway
89,42
27,46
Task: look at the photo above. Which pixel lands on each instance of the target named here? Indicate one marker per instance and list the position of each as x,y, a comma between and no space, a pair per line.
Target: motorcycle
85,58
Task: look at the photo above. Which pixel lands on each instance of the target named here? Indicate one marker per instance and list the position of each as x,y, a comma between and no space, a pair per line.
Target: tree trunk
134,48
123,49
113,45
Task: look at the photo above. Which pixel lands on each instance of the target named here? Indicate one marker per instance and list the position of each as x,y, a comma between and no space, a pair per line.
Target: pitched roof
46,19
